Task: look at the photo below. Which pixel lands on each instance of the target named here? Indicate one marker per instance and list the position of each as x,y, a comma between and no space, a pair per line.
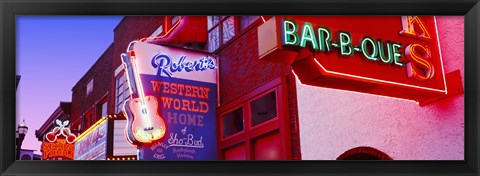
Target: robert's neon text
166,66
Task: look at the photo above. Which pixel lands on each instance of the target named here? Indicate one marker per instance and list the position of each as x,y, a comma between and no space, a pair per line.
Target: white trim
118,70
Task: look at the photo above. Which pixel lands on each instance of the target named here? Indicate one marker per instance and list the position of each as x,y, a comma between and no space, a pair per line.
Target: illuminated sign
183,82
60,130
58,149
322,41
92,144
165,65
59,142
388,56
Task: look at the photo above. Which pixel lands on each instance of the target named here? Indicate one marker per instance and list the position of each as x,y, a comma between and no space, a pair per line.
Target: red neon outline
263,19
166,33
375,80
401,84
383,96
410,25
141,93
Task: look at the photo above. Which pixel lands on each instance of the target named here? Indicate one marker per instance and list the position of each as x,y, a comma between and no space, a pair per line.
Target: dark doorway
364,153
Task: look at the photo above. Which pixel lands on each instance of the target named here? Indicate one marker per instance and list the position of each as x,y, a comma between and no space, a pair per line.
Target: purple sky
53,53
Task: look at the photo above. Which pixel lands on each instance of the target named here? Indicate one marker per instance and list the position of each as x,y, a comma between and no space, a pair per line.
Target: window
264,108
220,30
90,87
232,122
252,126
122,92
102,109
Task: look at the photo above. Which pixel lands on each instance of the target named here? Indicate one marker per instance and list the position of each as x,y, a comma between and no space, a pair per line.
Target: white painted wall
332,121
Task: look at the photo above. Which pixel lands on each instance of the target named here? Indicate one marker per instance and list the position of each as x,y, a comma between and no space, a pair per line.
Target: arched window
364,153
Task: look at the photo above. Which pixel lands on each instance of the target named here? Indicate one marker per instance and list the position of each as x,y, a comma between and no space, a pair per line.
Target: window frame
221,123
280,124
259,125
238,31
125,89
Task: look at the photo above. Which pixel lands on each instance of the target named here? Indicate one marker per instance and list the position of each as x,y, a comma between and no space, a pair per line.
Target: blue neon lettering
166,66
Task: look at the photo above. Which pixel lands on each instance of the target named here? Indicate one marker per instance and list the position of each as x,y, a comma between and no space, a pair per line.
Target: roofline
91,67
121,21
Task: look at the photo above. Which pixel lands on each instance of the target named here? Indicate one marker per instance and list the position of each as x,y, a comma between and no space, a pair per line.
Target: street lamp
22,130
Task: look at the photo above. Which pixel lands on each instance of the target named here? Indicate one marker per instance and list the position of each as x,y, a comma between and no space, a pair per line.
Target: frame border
9,9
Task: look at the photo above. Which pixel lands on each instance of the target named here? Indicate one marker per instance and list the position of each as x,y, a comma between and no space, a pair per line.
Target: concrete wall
332,121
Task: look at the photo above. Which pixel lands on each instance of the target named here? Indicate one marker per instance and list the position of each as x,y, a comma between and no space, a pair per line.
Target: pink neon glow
298,80
166,33
377,80
440,53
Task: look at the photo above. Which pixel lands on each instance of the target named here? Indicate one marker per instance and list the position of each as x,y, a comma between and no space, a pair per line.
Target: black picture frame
11,8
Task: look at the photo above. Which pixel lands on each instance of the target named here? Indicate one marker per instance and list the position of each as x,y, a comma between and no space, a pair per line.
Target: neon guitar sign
144,125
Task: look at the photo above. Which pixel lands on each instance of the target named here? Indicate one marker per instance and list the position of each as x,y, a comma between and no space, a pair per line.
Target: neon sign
58,149
144,124
183,83
387,56
59,142
374,50
165,64
60,130
92,143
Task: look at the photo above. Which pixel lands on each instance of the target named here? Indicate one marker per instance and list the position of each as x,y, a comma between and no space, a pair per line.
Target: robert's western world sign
172,111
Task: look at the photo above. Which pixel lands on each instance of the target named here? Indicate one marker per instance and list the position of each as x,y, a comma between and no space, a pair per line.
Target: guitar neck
130,74
134,77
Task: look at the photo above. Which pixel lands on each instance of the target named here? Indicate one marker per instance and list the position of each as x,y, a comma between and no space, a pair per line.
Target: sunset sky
52,54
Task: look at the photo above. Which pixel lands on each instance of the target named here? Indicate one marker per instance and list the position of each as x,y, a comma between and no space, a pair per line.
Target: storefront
277,88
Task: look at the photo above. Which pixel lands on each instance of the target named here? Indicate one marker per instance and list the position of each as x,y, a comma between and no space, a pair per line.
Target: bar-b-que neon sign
388,56
418,66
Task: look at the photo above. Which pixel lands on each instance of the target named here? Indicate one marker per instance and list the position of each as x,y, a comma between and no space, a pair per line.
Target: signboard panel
183,83
120,146
396,56
60,148
93,146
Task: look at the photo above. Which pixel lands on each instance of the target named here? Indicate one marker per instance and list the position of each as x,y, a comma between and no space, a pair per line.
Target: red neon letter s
419,67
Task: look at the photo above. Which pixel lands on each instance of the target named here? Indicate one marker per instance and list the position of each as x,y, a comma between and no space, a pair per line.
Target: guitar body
143,127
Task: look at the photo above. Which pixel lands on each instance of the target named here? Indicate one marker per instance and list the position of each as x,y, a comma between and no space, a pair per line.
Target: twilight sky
53,53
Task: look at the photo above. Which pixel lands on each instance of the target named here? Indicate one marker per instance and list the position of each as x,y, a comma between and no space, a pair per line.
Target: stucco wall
332,121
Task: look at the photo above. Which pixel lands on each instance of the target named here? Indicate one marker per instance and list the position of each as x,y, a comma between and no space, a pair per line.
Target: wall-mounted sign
58,149
58,143
92,144
183,85
390,56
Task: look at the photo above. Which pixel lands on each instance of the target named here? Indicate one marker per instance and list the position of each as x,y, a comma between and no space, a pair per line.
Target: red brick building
258,109
238,64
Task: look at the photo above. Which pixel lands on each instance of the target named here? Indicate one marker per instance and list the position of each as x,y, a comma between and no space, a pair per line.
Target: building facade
263,110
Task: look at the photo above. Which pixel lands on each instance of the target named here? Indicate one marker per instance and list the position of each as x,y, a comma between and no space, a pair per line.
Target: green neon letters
320,39
365,44
289,36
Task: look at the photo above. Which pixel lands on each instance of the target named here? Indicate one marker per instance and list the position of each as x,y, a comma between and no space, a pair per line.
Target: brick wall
293,115
101,72
241,71
129,29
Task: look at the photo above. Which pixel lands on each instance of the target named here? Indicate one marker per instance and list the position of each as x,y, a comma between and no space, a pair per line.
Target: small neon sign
61,129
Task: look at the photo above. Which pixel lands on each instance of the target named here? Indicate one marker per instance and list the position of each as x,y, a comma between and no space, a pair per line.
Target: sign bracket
454,87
